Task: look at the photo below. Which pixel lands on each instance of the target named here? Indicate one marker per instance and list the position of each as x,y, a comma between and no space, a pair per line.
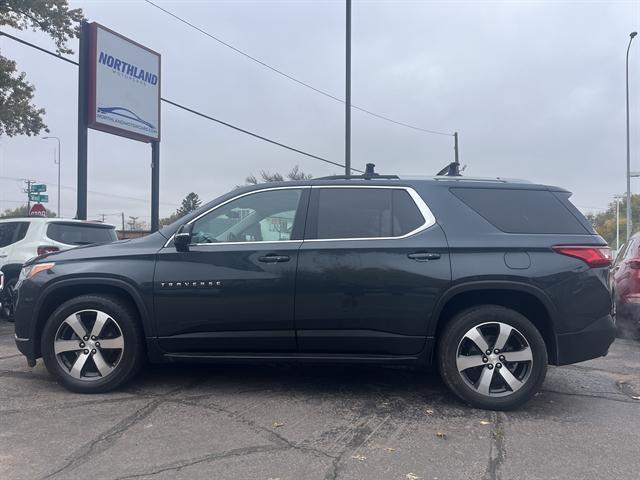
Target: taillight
44,249
592,256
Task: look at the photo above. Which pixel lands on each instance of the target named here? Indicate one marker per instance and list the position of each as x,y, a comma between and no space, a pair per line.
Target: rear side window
363,213
522,211
80,234
12,232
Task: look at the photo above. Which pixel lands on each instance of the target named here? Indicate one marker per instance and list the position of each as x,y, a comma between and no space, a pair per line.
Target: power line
195,112
104,194
291,77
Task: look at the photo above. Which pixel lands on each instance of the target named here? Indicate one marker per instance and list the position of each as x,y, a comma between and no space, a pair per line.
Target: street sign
38,210
36,197
38,188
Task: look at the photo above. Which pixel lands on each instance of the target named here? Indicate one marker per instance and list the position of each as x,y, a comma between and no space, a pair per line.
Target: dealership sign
124,86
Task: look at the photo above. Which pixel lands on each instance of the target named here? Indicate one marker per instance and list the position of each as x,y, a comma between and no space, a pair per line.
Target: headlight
32,270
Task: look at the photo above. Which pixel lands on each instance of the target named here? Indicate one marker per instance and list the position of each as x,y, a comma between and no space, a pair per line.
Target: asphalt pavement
317,422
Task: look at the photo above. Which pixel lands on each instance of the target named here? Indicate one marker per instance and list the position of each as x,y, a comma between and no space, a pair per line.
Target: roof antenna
451,170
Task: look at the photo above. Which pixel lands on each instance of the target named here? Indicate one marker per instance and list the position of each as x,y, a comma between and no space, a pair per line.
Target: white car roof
53,220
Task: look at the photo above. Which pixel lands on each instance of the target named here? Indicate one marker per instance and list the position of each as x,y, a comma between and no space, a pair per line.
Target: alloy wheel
494,359
89,345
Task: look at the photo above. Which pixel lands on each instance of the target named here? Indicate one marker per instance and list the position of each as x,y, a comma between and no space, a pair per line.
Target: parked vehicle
487,278
625,280
1,289
24,238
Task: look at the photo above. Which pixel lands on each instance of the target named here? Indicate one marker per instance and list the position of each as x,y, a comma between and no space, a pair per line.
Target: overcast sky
536,90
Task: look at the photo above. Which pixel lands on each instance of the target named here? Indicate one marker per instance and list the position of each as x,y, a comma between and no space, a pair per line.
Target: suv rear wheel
92,343
492,357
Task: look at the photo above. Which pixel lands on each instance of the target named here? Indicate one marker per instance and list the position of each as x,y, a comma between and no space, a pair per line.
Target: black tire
453,338
7,298
129,361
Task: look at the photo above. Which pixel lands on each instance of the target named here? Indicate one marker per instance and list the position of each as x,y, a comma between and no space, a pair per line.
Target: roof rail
369,174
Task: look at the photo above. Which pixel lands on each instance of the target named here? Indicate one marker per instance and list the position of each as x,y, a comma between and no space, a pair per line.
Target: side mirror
182,238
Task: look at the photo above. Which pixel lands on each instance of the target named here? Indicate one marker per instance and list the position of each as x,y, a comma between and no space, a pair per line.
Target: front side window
364,213
267,216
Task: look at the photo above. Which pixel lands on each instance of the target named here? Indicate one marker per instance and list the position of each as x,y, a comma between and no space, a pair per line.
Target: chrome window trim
231,200
425,211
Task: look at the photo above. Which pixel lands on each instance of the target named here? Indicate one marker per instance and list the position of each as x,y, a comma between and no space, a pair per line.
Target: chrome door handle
423,256
274,258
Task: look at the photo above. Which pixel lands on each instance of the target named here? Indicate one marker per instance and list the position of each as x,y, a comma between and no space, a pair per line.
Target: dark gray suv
491,280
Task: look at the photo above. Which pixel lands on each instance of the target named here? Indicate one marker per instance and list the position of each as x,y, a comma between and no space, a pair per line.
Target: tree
605,222
18,115
265,177
189,203
22,211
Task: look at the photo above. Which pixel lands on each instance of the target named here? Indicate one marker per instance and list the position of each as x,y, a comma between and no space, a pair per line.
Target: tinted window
80,234
364,213
521,211
260,217
406,215
12,232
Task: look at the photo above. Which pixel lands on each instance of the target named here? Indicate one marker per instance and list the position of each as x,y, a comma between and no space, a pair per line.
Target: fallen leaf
412,476
390,449
359,457
485,422
441,435
278,424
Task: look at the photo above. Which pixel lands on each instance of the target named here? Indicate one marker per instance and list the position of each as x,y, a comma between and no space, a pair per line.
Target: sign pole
347,100
83,73
155,186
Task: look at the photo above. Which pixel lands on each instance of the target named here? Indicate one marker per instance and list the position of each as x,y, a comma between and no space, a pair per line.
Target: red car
625,280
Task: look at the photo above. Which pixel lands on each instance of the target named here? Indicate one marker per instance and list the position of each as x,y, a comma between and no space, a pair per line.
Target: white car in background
25,238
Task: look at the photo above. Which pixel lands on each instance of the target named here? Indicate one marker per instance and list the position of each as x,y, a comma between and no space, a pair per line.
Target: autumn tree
18,114
265,177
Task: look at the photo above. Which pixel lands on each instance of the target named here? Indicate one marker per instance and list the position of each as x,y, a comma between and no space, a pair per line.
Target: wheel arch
528,300
61,291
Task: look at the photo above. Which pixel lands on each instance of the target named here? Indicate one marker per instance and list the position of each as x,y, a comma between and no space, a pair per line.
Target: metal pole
83,77
57,163
629,226
455,147
155,186
28,197
347,101
617,224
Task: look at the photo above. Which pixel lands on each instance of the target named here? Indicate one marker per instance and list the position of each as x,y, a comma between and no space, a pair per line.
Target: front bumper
591,342
25,347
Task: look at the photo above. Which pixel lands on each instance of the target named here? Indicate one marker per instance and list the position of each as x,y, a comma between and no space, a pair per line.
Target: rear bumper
591,342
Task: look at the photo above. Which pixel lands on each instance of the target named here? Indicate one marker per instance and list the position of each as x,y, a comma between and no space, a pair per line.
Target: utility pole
455,147
617,199
133,222
123,221
629,226
347,101
28,191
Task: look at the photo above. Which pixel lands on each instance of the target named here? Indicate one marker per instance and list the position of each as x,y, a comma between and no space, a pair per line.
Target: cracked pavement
316,422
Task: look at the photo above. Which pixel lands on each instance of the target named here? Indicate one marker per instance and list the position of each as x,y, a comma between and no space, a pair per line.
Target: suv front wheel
492,357
92,343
